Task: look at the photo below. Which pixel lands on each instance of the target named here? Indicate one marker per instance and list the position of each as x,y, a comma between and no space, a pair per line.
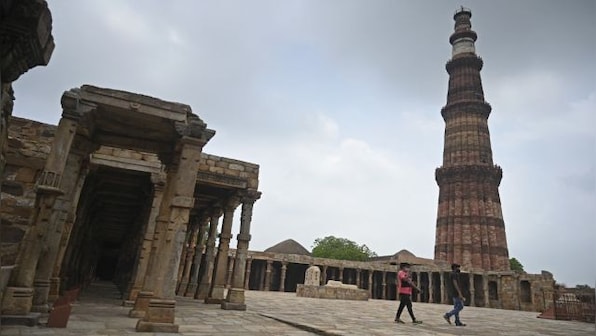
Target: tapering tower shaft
470,228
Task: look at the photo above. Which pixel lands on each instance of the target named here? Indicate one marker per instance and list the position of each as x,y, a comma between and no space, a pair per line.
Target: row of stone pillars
204,271
153,284
380,284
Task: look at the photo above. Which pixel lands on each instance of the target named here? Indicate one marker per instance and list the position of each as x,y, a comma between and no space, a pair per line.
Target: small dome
289,246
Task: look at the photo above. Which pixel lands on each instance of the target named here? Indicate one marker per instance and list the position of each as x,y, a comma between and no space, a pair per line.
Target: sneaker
460,324
417,322
447,318
400,321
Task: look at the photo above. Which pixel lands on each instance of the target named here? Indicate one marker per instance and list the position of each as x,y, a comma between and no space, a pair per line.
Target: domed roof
289,246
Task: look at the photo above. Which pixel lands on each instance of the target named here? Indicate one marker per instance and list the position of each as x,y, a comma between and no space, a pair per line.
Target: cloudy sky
339,102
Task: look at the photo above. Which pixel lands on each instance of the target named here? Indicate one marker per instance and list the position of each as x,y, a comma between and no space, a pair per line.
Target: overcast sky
339,102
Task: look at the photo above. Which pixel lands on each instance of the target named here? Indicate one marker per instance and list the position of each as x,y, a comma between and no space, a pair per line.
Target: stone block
235,166
26,175
332,292
17,301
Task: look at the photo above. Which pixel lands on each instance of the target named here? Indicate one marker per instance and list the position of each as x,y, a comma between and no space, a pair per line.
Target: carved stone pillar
268,275
188,255
472,290
430,288
247,275
358,276
216,294
282,279
384,294
324,275
55,280
193,283
486,293
18,297
207,275
170,232
341,274
235,297
230,271
62,211
444,298
419,283
370,284
138,277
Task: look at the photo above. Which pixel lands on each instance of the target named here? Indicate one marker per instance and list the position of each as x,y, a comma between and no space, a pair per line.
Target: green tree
340,248
515,265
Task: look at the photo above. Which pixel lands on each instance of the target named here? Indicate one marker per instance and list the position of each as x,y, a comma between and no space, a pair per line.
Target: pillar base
159,317
54,289
133,294
141,304
190,290
41,290
143,326
29,320
182,288
217,295
17,301
234,300
203,292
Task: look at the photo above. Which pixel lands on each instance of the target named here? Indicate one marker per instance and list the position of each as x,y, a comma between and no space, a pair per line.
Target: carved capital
250,196
25,37
73,107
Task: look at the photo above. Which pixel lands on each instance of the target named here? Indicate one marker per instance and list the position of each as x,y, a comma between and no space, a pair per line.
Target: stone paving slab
272,313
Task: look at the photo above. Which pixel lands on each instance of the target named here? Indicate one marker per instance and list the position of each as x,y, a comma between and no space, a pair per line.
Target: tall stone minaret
470,228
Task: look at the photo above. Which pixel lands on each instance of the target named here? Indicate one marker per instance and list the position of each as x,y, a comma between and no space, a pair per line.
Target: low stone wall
332,292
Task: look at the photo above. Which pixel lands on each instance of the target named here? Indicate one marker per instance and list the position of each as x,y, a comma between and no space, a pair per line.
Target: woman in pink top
404,289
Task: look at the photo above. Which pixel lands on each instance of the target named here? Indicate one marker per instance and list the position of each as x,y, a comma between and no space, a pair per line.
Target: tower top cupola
463,37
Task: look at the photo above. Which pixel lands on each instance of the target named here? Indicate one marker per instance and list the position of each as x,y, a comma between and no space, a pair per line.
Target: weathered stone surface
332,292
312,277
470,227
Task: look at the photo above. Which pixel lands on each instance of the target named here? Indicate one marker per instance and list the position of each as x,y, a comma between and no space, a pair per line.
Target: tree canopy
340,248
515,265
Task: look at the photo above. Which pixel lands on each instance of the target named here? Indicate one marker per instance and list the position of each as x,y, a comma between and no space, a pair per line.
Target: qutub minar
470,227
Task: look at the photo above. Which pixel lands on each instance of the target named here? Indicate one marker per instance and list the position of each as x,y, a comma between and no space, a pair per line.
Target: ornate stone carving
25,37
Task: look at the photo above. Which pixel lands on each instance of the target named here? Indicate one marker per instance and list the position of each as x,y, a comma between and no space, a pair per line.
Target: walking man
456,294
404,289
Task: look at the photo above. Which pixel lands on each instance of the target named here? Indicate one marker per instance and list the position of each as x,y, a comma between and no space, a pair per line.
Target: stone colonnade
172,220
482,289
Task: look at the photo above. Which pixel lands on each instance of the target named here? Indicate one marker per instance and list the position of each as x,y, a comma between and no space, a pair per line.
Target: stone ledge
29,320
331,292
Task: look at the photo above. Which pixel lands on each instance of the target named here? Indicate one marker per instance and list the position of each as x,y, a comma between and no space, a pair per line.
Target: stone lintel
136,102
222,180
125,163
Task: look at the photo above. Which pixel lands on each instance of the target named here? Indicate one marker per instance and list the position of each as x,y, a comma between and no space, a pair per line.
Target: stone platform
273,313
337,292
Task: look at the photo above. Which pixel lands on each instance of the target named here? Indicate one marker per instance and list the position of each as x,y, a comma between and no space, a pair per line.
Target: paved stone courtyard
273,313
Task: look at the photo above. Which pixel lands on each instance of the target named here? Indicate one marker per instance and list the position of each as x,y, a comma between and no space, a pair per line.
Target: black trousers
405,300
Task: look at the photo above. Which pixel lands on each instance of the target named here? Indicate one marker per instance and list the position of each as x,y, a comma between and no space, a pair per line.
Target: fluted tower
470,227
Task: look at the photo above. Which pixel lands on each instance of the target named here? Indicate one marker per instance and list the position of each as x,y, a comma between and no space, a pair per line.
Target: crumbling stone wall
29,143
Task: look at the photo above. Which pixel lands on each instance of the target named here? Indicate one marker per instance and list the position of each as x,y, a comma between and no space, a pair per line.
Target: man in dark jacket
456,294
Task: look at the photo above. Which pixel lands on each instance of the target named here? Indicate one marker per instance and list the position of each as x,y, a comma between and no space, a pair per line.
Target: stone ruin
332,290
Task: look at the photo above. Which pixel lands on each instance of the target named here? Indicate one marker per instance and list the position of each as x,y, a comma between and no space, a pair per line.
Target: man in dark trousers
404,289
456,294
